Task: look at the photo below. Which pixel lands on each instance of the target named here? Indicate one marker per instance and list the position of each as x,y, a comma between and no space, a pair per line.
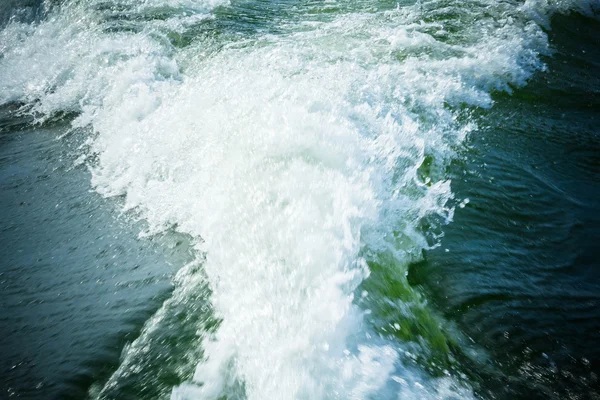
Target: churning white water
294,156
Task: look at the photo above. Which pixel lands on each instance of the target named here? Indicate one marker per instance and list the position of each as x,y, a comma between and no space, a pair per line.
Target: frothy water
299,159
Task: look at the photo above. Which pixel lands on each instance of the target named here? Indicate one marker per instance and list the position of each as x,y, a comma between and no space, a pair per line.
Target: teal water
288,200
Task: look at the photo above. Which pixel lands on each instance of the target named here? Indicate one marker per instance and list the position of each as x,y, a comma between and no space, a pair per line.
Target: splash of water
298,161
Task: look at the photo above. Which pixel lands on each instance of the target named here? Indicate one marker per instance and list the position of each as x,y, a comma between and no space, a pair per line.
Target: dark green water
507,304
521,275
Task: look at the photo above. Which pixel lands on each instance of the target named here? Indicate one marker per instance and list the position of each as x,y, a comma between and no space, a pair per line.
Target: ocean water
213,199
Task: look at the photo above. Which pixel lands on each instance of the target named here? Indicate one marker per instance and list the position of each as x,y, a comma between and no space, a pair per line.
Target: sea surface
294,200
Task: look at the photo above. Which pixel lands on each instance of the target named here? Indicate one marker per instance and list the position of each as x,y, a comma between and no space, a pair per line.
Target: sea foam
293,159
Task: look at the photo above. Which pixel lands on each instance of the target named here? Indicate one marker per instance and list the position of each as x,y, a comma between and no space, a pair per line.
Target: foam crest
80,60
289,156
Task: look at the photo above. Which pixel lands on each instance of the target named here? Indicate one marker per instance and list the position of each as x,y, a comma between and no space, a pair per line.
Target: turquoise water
299,200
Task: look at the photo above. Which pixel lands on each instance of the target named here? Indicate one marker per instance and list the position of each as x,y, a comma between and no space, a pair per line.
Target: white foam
281,156
289,156
70,63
